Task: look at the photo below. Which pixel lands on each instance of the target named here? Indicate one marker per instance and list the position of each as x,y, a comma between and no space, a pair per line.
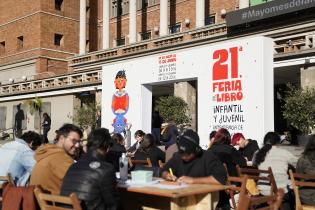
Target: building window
116,8
58,4
175,28
120,42
3,117
210,20
125,7
2,47
58,39
145,35
257,2
20,41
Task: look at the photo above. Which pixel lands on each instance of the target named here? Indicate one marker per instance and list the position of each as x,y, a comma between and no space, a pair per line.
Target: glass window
210,20
175,28
3,117
145,35
58,39
58,4
2,47
20,41
120,42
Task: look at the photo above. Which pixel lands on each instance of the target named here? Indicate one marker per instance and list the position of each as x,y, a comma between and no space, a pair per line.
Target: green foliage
173,108
85,116
299,108
34,105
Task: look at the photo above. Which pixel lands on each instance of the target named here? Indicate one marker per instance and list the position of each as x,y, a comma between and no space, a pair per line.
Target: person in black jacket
247,147
46,127
92,178
222,148
116,150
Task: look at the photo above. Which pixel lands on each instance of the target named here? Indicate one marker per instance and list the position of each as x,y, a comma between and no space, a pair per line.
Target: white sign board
235,87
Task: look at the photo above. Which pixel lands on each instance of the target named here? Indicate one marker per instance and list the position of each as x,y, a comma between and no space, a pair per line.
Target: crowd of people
68,165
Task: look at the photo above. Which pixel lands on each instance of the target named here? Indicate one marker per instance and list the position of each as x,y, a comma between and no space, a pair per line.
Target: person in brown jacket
53,160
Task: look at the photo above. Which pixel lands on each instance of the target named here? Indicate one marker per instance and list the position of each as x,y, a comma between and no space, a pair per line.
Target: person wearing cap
192,165
92,178
247,147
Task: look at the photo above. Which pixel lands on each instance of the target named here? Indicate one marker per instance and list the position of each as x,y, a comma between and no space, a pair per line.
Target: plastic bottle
123,167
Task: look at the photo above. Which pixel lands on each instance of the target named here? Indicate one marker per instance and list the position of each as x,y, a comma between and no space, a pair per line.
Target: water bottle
123,167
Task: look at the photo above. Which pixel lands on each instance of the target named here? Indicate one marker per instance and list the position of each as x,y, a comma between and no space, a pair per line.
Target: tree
85,116
35,105
299,108
173,108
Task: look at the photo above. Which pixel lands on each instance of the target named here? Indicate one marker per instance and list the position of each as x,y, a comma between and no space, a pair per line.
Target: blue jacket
17,158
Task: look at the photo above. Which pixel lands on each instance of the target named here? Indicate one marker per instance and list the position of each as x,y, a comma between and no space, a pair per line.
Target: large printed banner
234,91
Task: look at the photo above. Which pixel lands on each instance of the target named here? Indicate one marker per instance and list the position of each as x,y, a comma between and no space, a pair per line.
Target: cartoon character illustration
120,102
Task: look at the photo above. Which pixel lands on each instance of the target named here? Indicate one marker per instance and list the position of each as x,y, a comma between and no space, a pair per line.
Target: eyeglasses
76,141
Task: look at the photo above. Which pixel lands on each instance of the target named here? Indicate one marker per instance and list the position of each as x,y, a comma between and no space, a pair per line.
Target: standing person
306,165
247,147
157,121
170,134
271,155
19,117
92,178
139,134
46,126
98,119
17,157
53,160
192,165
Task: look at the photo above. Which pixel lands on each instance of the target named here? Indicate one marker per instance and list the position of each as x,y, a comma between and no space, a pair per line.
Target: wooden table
192,197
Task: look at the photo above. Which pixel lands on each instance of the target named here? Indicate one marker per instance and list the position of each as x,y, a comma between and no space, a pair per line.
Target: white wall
255,74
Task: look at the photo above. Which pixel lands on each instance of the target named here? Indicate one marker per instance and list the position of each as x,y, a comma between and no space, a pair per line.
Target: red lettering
220,70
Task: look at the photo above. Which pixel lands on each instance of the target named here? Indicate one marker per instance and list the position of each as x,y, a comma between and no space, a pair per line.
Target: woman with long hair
306,165
116,150
279,159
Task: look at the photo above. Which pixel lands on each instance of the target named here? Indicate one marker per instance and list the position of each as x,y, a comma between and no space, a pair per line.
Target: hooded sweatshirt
52,163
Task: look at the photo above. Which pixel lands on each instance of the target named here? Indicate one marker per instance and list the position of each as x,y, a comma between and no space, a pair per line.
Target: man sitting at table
192,165
92,178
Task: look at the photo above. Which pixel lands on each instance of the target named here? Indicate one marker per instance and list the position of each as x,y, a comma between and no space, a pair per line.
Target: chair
145,163
301,180
255,174
4,179
57,202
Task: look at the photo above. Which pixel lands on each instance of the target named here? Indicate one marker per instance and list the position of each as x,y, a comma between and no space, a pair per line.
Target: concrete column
189,94
82,26
200,13
105,24
308,77
243,4
98,97
132,21
163,17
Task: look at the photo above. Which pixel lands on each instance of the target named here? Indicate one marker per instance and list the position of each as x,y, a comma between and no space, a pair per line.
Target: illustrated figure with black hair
279,159
17,157
19,117
120,102
53,160
192,165
92,178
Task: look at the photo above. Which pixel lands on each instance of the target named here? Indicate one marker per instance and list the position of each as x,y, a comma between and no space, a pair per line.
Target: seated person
192,165
247,147
53,160
139,134
92,178
211,138
17,157
116,150
279,159
148,149
306,165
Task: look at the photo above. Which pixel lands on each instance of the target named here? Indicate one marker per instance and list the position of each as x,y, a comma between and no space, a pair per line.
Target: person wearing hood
92,178
17,157
53,160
